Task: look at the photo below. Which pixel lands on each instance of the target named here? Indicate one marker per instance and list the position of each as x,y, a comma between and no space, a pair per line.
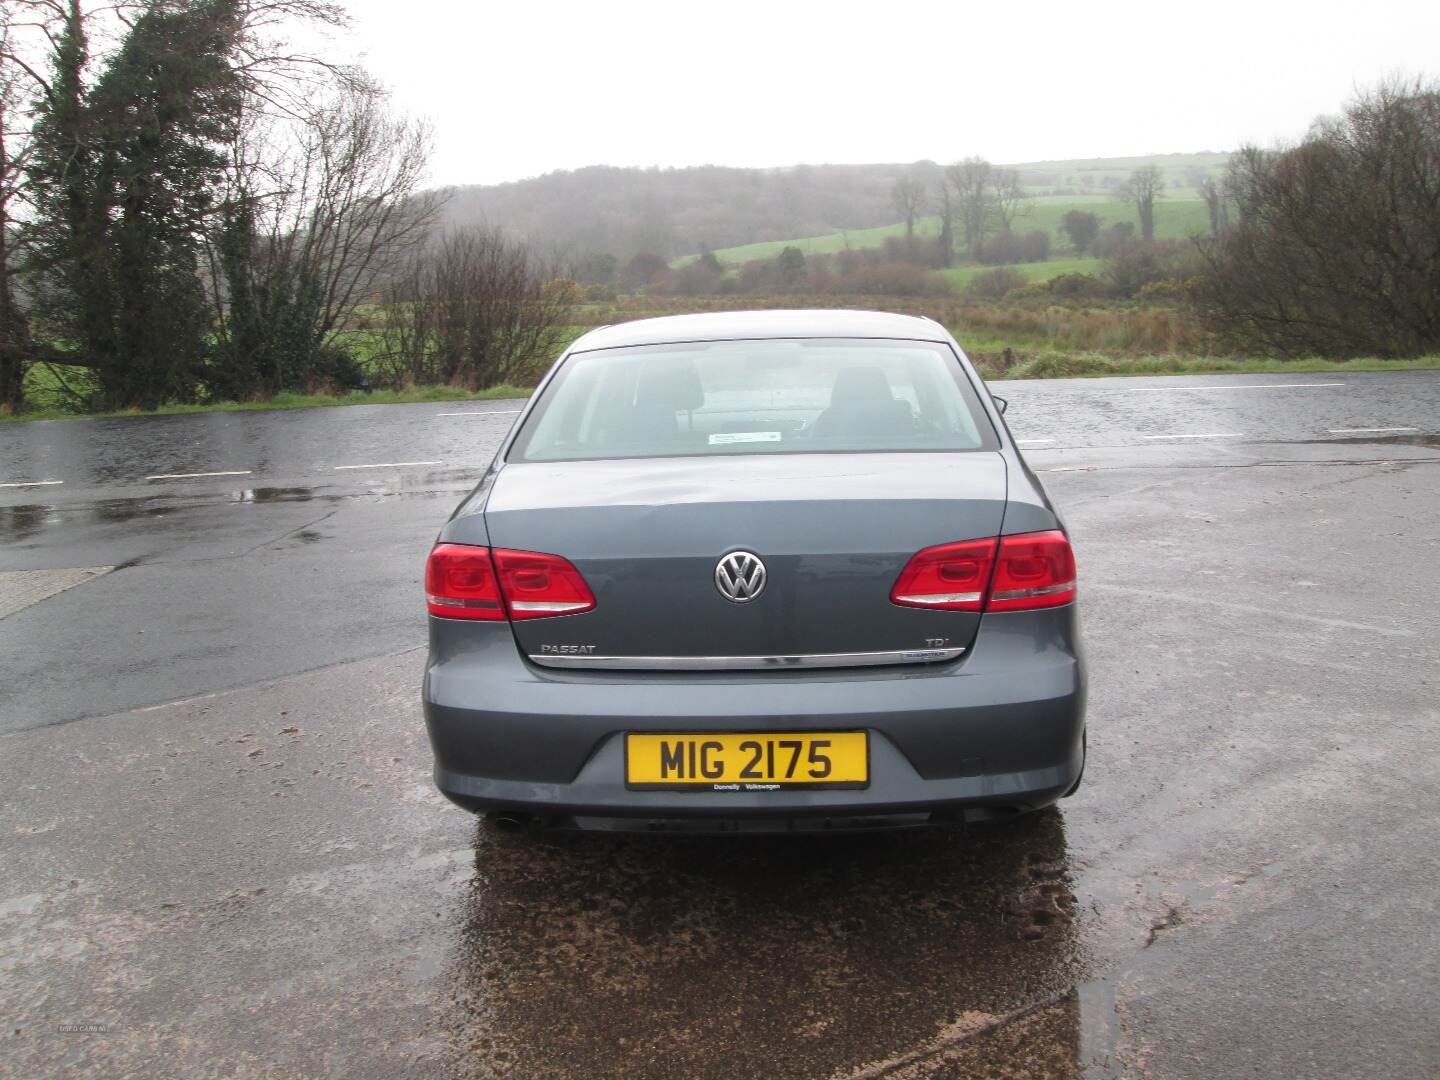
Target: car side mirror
1000,403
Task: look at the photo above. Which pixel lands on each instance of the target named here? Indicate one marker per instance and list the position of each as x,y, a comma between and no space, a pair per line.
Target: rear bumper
999,731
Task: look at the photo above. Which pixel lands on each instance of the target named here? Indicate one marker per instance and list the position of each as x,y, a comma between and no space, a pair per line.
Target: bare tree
946,210
971,181
1336,247
1009,196
1214,195
323,209
1144,186
473,309
908,195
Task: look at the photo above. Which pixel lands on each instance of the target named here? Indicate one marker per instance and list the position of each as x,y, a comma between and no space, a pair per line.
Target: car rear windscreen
756,397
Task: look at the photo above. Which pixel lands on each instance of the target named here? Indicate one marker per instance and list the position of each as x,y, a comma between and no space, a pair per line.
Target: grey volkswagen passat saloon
756,571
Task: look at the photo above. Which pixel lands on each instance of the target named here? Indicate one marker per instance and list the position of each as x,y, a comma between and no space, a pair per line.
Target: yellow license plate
747,761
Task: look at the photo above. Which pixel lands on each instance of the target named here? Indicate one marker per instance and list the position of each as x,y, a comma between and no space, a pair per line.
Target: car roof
735,325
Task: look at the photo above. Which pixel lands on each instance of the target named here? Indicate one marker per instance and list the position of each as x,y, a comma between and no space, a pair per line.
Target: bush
1112,239
1140,263
1031,290
1082,227
892,279
564,290
1075,285
643,268
790,267
699,278
334,370
1010,247
1051,365
993,284
1166,290
599,294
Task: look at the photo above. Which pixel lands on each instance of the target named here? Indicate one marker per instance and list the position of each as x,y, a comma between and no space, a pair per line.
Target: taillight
949,576
1009,573
469,582
1034,570
537,585
460,583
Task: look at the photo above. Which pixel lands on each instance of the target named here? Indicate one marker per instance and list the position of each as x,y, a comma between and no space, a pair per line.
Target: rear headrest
856,384
670,385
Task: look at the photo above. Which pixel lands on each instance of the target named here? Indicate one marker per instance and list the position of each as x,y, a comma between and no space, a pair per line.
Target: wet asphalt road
219,842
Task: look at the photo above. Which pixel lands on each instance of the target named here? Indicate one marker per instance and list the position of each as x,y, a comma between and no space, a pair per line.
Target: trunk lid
833,532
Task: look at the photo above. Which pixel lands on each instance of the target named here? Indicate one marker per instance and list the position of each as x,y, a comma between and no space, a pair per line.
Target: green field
1055,187
281,401
1175,218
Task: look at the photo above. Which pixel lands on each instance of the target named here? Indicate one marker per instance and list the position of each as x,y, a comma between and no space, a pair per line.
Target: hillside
672,212
752,213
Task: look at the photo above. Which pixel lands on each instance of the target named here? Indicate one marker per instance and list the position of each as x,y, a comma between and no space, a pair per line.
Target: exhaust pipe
511,823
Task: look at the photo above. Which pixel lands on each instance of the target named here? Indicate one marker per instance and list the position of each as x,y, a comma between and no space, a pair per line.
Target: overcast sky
524,87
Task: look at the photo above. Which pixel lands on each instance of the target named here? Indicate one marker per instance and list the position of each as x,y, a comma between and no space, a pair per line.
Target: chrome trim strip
550,607
1045,590
941,598
747,663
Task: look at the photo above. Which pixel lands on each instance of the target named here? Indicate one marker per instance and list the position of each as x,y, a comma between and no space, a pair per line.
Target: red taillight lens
460,583
537,585
949,576
467,582
1033,570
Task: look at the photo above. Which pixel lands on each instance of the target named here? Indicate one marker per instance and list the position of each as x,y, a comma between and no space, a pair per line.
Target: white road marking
1023,442
1236,386
197,475
1367,430
388,465
34,483
487,412
1208,435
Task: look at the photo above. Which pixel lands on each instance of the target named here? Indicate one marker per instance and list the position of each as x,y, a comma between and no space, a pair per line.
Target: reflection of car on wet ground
756,571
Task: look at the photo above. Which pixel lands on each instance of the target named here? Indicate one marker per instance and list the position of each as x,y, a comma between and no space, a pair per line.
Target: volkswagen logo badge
740,577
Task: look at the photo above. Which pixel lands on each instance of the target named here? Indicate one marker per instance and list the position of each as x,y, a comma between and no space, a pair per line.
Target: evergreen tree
125,175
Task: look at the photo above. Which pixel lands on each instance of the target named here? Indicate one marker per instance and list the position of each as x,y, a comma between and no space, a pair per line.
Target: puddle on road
20,522
25,521
784,956
275,494
120,510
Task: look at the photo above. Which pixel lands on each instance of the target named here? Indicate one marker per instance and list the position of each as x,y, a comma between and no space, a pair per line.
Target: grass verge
1056,365
292,401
